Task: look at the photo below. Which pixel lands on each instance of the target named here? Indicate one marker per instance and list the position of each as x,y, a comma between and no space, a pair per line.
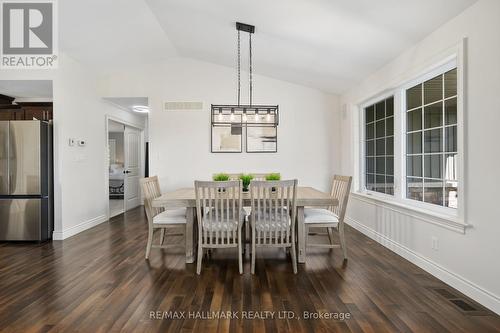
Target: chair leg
253,253
162,236
240,254
306,240
330,236
200,257
342,241
150,242
294,258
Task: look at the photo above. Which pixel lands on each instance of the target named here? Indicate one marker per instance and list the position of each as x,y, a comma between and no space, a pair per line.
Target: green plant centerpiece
221,177
246,179
273,177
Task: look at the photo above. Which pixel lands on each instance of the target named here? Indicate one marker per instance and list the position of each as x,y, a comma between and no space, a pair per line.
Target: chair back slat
219,205
341,188
151,190
273,211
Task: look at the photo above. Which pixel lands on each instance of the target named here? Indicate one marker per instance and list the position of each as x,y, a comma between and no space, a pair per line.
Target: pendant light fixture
245,114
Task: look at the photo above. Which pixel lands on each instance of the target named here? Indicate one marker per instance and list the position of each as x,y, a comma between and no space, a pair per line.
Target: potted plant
221,177
273,177
246,179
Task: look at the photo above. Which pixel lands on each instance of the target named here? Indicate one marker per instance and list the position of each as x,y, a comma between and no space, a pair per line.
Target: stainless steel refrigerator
26,181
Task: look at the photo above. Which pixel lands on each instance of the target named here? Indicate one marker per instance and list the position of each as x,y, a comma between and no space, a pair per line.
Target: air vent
183,106
462,304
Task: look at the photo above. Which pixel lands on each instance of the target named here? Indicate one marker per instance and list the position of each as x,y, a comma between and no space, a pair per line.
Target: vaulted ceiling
325,44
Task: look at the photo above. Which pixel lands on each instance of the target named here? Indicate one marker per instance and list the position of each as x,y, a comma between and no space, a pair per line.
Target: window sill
450,222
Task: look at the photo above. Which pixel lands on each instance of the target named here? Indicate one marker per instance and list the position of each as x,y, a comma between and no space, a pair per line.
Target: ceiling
326,44
40,89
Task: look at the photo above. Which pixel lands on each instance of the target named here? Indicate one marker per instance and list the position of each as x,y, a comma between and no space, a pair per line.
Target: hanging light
245,111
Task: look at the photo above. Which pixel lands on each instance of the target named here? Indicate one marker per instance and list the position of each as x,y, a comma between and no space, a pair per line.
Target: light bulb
244,117
232,116
219,116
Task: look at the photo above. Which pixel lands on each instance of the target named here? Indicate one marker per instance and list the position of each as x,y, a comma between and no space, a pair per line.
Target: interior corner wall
79,172
467,261
180,152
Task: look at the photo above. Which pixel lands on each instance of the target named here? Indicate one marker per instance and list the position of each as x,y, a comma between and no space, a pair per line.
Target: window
431,140
379,143
411,147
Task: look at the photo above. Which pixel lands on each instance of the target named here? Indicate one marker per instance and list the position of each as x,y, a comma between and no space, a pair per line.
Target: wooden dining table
185,197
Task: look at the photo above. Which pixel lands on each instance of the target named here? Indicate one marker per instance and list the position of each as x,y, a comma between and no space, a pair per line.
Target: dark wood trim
10,107
6,99
37,104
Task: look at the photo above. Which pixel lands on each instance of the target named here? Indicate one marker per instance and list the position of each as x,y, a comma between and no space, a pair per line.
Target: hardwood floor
99,281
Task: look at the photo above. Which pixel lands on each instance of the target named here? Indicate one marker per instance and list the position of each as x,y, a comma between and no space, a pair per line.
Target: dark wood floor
98,281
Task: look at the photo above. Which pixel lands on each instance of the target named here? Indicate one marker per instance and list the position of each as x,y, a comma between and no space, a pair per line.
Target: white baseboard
60,235
480,295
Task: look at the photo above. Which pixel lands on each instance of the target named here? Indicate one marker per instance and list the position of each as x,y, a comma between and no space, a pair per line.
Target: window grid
379,171
421,183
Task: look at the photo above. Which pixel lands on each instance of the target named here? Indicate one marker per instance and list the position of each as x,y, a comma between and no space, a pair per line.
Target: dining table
185,197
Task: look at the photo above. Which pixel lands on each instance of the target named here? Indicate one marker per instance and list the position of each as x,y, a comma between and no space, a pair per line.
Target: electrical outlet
435,243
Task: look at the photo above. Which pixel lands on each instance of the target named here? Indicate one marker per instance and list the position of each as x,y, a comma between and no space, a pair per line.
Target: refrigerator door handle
4,158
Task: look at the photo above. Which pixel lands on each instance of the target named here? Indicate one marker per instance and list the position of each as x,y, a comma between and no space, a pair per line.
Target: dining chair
332,217
248,211
220,217
273,216
160,218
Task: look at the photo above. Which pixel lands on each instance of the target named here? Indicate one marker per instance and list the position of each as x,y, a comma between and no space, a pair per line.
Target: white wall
79,172
468,262
180,140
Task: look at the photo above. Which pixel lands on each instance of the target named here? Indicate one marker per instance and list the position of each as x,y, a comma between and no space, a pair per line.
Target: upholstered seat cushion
222,224
265,221
270,226
171,216
318,215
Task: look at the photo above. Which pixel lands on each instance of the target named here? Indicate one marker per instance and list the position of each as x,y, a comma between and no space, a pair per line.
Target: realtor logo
28,34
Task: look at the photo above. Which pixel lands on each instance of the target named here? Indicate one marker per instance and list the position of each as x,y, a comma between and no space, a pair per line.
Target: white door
132,167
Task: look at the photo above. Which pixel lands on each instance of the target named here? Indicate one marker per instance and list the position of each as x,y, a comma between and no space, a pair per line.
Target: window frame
455,60
372,101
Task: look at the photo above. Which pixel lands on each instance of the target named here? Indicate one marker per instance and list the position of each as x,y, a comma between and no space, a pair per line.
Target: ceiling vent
183,106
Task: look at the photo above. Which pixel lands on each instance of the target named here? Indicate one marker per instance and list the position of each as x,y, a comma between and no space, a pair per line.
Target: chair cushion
171,216
221,225
318,215
269,226
265,221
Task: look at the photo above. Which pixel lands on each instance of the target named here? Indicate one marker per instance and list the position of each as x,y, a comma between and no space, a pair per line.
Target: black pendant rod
250,29
250,51
239,68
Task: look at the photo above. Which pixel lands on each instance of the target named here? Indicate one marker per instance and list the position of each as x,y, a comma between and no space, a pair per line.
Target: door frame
106,151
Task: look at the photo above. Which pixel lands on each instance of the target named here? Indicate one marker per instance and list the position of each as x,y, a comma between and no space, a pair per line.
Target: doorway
116,152
124,148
